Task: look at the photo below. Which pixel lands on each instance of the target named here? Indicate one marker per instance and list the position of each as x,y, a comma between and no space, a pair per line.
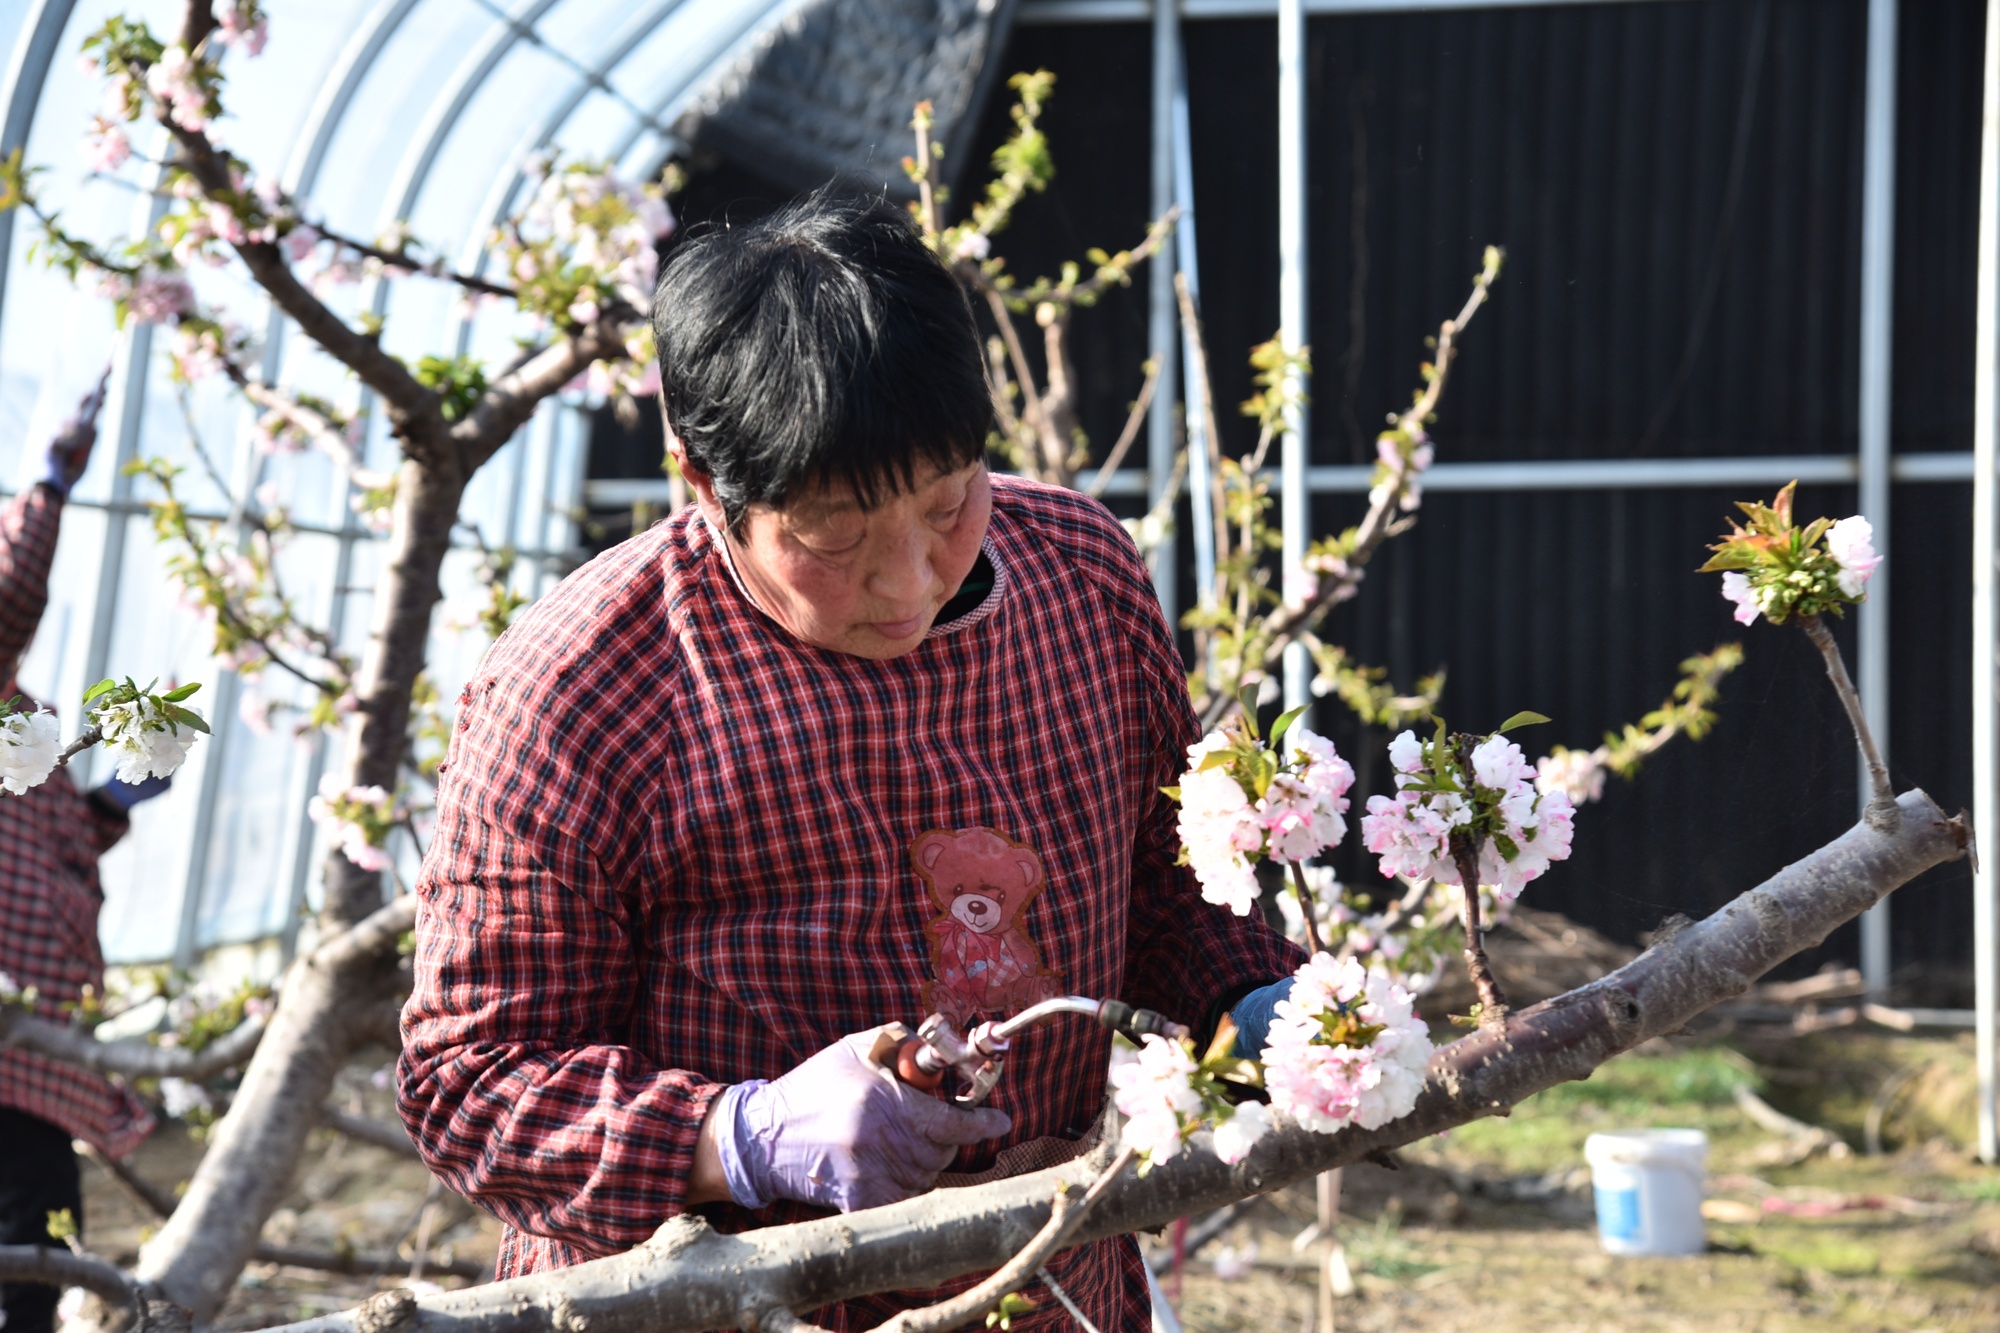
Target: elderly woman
864,733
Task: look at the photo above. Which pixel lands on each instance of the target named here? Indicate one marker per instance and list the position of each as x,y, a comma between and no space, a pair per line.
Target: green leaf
183,718
1215,759
1524,718
1248,699
175,696
104,686
1284,723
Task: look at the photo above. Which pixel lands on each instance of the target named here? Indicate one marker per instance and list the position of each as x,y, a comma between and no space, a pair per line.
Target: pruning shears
923,1060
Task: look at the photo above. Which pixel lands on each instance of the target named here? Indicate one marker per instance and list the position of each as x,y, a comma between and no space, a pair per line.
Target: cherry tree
1349,1071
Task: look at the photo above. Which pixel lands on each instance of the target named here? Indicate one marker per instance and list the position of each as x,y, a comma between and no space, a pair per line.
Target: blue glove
125,795
1252,1016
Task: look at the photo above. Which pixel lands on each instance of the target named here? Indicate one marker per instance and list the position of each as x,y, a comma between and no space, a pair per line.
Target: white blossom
28,746
1851,543
10,989
1575,773
145,740
180,1097
1235,1136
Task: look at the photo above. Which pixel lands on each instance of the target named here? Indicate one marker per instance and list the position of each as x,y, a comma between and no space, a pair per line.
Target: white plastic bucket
1648,1184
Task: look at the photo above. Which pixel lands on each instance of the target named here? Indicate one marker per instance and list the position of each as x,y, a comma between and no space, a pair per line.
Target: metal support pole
1985,679
1295,503
1878,268
1194,391
1163,315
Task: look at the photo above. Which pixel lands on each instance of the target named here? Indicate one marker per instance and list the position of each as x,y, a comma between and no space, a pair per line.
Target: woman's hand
841,1131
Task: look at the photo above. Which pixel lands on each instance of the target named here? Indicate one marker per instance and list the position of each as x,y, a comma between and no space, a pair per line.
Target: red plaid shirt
677,848
50,839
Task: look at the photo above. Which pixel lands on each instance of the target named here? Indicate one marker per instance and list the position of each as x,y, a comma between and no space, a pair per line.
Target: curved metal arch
27,72
498,200
415,169
501,200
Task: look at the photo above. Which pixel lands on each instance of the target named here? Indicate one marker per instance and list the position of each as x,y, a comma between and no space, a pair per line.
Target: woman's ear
697,481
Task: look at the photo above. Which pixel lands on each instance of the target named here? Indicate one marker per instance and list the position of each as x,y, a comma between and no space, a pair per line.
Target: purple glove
69,451
841,1131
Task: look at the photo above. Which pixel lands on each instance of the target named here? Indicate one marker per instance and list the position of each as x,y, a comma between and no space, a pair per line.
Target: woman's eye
944,518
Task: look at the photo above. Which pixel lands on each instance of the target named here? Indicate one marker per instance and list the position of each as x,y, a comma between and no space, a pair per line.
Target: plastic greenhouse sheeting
427,110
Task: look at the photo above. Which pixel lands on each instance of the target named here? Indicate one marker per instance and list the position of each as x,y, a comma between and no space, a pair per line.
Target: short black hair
820,344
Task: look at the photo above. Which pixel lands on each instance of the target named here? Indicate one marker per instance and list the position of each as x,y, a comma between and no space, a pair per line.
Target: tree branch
54,1266
391,1137
689,1277
1133,420
129,1057
1882,800
510,400
414,409
369,938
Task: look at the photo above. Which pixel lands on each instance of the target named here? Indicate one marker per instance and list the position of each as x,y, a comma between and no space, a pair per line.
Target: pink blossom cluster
597,222
1346,1047
241,23
349,813
1521,831
106,146
175,83
1225,826
1401,462
152,296
200,350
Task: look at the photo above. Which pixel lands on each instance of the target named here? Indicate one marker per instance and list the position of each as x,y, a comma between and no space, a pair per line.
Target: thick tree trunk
689,1278
327,997
427,498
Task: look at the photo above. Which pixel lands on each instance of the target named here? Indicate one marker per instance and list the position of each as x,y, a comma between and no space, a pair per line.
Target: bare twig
1882,799
1287,622
376,1132
1492,1002
1133,421
86,738
1306,906
1064,1219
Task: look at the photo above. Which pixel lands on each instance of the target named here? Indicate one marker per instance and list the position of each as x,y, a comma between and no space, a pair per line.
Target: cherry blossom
157,295
1234,1137
1346,1047
29,742
144,737
241,24
1240,802
1519,830
106,147
358,817
1851,543
1575,773
1736,588
1155,1093
174,79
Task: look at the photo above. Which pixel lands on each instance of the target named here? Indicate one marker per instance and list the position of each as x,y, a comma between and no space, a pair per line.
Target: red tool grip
913,1073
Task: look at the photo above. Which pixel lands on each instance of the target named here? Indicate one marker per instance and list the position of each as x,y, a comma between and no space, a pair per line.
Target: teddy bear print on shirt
986,963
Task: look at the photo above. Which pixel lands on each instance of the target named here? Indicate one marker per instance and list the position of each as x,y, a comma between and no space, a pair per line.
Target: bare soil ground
1486,1230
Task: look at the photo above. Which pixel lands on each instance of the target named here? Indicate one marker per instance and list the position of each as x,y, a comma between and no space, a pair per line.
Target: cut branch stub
689,1277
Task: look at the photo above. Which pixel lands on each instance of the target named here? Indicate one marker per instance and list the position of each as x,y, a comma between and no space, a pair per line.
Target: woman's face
868,582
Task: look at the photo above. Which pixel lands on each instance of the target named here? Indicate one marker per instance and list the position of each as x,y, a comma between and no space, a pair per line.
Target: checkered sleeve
29,524
517,1080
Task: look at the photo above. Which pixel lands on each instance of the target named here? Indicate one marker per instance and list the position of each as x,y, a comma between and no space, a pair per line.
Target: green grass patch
1688,1089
